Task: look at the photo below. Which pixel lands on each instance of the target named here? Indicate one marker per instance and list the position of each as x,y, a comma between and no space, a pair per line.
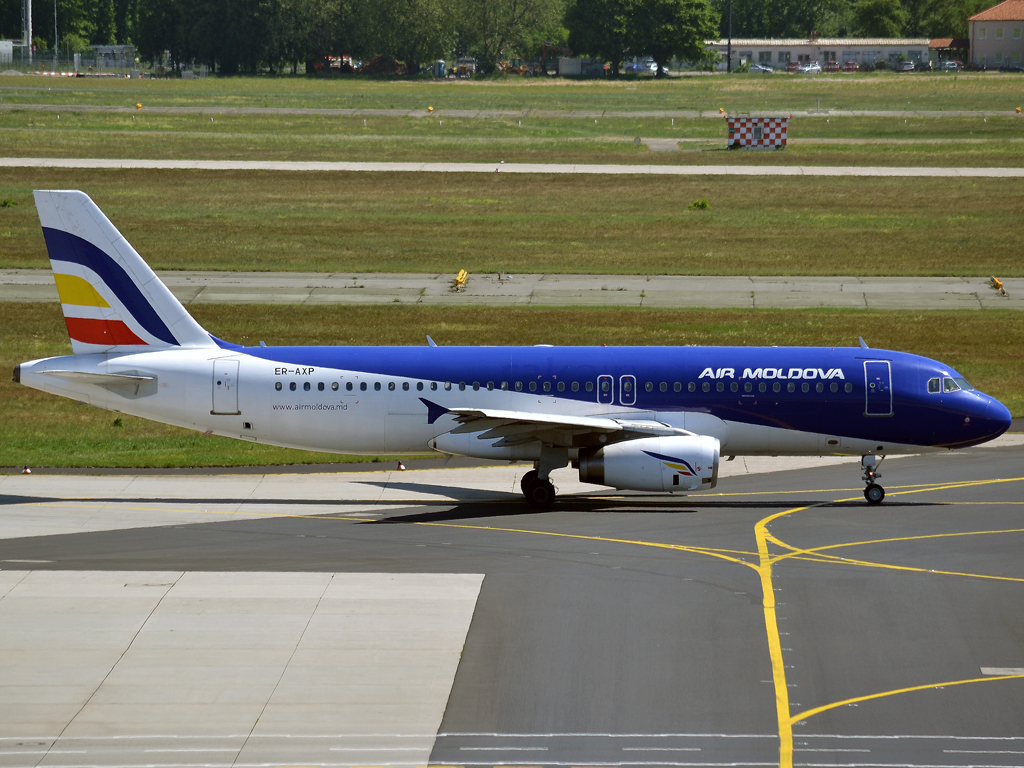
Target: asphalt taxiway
779,620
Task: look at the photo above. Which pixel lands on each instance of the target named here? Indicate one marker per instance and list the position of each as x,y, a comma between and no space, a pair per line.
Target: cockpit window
949,385
934,385
963,383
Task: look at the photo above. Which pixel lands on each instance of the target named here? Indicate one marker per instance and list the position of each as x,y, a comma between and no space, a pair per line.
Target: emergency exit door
225,387
877,388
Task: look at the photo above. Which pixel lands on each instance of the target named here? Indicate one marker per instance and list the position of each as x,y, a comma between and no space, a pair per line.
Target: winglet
434,411
431,342
863,344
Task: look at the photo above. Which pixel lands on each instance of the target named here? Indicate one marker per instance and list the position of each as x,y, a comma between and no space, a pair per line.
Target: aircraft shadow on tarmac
477,510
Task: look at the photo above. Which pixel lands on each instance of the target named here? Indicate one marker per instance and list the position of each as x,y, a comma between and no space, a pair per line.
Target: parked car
905,66
851,66
760,68
1011,68
810,68
950,66
792,66
832,66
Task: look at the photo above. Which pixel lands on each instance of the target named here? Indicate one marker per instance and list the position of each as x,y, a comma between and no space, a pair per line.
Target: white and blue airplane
641,418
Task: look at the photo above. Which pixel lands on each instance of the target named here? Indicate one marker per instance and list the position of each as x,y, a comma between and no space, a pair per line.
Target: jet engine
684,463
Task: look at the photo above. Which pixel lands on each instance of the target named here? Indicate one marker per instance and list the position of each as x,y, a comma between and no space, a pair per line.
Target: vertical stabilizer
112,300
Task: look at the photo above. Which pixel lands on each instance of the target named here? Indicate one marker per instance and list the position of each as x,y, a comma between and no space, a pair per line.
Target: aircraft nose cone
993,420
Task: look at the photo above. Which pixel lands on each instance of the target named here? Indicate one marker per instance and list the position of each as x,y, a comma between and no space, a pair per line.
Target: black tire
541,494
874,493
529,479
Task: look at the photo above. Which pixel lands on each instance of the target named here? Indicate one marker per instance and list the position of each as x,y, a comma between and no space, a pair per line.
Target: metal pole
56,54
26,29
728,63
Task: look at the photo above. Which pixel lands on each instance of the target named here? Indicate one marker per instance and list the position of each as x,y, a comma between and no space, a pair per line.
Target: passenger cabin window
677,387
320,386
362,386
519,386
405,386
533,386
305,387
848,387
590,386
691,387
575,386
547,386
277,386
419,386
334,386
391,386
706,386
292,386
934,385
663,387
649,386
376,386
561,386
720,386
949,385
348,386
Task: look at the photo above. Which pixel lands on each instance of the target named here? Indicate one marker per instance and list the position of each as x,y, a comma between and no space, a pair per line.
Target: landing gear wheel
874,493
530,479
541,494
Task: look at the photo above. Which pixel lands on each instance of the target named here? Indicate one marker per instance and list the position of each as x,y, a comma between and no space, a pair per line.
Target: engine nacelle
685,463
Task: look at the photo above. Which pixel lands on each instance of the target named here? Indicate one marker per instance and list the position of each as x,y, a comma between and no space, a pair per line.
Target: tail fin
112,300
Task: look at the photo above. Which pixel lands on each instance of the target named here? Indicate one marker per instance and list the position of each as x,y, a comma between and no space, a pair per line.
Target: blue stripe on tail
63,246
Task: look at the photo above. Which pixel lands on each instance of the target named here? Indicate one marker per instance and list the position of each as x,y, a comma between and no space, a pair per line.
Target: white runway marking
1000,671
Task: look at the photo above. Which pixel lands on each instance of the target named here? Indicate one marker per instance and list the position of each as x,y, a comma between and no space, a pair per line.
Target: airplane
654,419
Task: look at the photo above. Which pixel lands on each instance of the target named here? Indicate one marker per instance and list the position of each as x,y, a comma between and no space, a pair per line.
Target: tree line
252,36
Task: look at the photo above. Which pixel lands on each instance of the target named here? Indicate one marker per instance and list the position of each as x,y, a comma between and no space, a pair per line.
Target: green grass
881,91
952,141
409,222
44,430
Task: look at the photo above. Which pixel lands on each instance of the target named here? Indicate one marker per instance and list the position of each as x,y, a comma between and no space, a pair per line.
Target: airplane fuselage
377,400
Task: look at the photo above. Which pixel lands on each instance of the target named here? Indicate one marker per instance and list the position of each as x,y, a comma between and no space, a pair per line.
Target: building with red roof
995,33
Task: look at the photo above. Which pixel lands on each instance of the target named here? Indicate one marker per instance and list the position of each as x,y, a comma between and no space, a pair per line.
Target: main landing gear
873,492
539,493
536,485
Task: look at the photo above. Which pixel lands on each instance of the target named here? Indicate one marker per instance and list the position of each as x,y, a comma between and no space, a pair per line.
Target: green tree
880,18
599,28
948,18
497,29
413,31
159,29
667,29
104,22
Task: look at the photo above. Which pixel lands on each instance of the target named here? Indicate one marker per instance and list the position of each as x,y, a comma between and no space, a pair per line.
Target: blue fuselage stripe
923,418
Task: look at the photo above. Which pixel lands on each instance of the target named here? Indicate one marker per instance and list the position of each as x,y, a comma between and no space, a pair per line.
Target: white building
778,53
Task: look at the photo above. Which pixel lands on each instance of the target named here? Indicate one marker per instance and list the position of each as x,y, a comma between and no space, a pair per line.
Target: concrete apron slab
212,669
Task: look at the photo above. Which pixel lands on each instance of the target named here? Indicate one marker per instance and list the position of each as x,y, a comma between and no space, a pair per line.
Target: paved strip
48,504
665,291
160,667
554,168
494,114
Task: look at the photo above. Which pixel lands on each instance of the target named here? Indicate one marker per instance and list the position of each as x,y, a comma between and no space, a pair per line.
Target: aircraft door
225,387
878,388
605,389
627,390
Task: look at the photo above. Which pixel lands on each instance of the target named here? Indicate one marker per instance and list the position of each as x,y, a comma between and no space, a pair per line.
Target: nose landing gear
873,492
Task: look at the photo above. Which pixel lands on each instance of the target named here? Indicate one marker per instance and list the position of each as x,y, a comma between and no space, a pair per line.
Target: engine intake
685,463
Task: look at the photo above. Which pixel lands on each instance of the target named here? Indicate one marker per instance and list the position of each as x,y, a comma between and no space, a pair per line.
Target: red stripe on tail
109,333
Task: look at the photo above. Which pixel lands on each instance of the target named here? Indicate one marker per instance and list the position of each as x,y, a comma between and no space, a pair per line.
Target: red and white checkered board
774,131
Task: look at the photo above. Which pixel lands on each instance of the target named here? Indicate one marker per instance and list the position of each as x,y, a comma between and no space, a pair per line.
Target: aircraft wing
518,427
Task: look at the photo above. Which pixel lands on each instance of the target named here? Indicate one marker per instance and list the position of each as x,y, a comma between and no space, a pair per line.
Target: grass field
880,91
408,222
914,141
44,430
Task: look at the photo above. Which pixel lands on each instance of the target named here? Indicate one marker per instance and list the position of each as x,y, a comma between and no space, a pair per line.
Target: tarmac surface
555,168
492,114
559,290
318,619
